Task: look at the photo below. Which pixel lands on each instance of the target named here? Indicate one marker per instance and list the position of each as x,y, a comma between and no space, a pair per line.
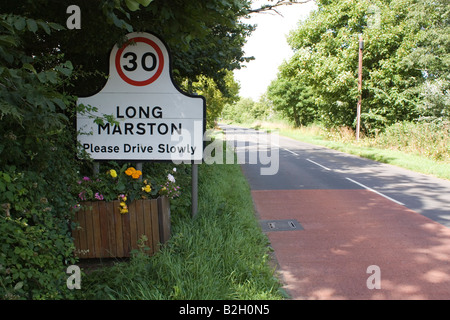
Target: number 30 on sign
139,62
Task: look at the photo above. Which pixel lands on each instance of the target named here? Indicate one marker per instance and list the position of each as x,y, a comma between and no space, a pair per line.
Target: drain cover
280,225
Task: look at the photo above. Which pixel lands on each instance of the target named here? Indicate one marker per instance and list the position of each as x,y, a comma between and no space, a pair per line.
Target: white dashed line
379,193
318,164
295,154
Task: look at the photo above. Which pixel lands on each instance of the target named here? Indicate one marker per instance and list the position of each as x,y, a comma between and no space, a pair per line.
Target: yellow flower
123,208
162,190
130,171
136,174
113,173
147,188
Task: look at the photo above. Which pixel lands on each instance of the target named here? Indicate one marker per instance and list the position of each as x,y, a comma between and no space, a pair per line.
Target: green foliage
35,244
216,99
205,39
405,64
36,165
430,139
246,110
293,101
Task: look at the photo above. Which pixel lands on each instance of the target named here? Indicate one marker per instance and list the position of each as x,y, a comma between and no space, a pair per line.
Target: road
353,213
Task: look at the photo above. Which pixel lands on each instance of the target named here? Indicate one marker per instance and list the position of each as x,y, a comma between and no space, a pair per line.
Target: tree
292,100
405,49
215,98
430,22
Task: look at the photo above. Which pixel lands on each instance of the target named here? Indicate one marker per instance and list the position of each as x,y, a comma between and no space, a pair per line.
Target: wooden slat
155,227
119,233
110,208
126,233
133,225
97,230
90,230
148,225
104,235
139,221
164,219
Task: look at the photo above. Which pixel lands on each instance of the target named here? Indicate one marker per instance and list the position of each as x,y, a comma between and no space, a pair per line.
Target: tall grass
221,254
431,140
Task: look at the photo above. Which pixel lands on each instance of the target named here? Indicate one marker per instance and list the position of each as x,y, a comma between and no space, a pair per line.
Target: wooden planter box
104,232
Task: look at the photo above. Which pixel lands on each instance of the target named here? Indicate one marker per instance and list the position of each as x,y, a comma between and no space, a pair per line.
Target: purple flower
81,195
98,196
86,179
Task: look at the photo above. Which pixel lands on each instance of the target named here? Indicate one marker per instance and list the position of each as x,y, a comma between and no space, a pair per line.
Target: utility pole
358,107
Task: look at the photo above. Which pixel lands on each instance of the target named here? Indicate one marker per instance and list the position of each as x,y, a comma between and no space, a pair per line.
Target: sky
269,46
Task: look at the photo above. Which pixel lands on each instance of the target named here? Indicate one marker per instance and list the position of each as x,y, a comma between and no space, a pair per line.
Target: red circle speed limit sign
139,62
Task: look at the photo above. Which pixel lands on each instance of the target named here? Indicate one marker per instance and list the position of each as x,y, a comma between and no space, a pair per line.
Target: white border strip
379,193
318,164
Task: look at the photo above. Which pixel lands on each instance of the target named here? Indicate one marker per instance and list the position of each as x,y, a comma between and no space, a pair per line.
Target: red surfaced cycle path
345,232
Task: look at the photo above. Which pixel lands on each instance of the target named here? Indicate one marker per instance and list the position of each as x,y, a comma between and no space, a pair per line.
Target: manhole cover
280,225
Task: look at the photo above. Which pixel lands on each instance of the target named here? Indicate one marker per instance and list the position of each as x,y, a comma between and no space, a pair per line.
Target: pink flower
81,195
98,196
86,179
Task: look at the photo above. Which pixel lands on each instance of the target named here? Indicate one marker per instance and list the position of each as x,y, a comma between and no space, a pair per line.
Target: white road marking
295,154
318,164
379,193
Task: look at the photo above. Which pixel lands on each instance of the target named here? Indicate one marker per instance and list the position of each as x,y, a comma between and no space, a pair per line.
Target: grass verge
221,254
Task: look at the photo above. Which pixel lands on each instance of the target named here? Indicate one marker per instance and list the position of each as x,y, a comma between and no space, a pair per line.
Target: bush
37,165
431,139
36,245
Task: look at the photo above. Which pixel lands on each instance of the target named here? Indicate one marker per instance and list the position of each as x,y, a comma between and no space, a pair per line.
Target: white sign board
156,120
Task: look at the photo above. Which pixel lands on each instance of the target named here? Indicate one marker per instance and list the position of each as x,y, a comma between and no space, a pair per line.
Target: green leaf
7,177
20,23
132,5
18,285
56,26
32,25
145,2
60,103
42,77
29,67
8,40
65,71
44,26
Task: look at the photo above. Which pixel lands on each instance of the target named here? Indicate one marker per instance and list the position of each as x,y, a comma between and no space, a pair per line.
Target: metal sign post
194,193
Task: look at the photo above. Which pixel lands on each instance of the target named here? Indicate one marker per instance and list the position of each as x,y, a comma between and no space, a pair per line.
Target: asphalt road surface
344,227
309,167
